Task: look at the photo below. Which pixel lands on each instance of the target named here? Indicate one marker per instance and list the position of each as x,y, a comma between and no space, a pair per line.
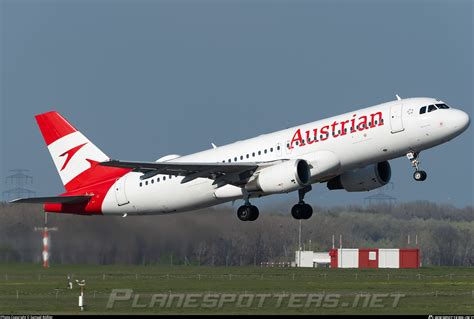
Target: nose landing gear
418,175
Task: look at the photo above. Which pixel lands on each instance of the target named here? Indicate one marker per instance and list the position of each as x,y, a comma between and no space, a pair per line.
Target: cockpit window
442,106
432,108
423,110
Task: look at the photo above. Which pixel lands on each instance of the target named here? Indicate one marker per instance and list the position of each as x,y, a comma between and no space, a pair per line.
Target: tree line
215,237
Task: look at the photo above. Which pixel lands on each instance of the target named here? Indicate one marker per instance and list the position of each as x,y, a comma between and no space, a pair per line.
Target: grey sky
143,79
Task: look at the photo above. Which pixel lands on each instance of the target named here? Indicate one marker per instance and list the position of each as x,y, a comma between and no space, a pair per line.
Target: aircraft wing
191,170
52,200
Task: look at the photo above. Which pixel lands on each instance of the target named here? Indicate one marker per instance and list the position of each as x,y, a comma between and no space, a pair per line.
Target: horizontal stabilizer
52,200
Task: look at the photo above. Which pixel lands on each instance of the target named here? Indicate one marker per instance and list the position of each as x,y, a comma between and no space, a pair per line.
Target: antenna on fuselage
398,98
213,145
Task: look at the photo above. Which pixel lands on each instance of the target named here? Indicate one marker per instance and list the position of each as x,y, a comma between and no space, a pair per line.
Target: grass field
29,289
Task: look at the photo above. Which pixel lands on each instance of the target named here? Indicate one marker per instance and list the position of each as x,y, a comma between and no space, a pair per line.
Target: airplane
349,151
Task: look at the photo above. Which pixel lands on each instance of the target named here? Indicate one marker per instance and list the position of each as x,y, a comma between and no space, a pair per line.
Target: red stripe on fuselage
94,175
97,180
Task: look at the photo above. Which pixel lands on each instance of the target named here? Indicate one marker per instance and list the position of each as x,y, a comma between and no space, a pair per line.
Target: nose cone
461,121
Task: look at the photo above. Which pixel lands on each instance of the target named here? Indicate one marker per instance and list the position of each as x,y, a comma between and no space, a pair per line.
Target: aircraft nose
461,120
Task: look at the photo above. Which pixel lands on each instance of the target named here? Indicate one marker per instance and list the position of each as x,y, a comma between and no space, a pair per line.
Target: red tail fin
74,156
53,126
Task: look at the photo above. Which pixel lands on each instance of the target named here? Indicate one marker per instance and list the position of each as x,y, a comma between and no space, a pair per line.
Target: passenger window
164,178
271,149
253,154
152,181
278,147
229,160
265,151
146,183
141,184
235,159
247,156
259,152
158,180
431,108
423,110
241,157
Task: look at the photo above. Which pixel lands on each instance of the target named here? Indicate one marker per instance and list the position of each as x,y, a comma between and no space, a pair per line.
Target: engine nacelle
285,177
364,179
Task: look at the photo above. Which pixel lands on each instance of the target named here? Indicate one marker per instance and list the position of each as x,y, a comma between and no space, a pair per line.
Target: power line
19,182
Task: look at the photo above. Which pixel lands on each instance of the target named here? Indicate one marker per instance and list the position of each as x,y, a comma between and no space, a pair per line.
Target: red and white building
375,258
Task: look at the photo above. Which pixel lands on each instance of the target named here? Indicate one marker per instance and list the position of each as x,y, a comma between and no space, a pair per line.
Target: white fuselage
403,129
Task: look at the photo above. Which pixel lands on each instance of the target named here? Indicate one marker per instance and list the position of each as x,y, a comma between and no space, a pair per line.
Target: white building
307,258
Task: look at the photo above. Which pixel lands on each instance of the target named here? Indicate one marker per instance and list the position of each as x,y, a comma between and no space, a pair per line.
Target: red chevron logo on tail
70,154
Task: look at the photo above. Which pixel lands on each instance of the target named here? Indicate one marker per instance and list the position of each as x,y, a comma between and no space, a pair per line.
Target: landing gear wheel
419,176
301,211
424,175
297,211
254,214
308,211
247,213
244,213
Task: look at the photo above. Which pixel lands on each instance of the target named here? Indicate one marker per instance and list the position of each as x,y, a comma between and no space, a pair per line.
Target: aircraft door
120,194
396,121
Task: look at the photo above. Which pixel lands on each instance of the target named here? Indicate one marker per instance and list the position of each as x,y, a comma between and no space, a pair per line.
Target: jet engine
285,177
364,179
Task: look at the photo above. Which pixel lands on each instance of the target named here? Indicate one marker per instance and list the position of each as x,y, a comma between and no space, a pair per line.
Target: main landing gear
247,212
418,175
302,210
